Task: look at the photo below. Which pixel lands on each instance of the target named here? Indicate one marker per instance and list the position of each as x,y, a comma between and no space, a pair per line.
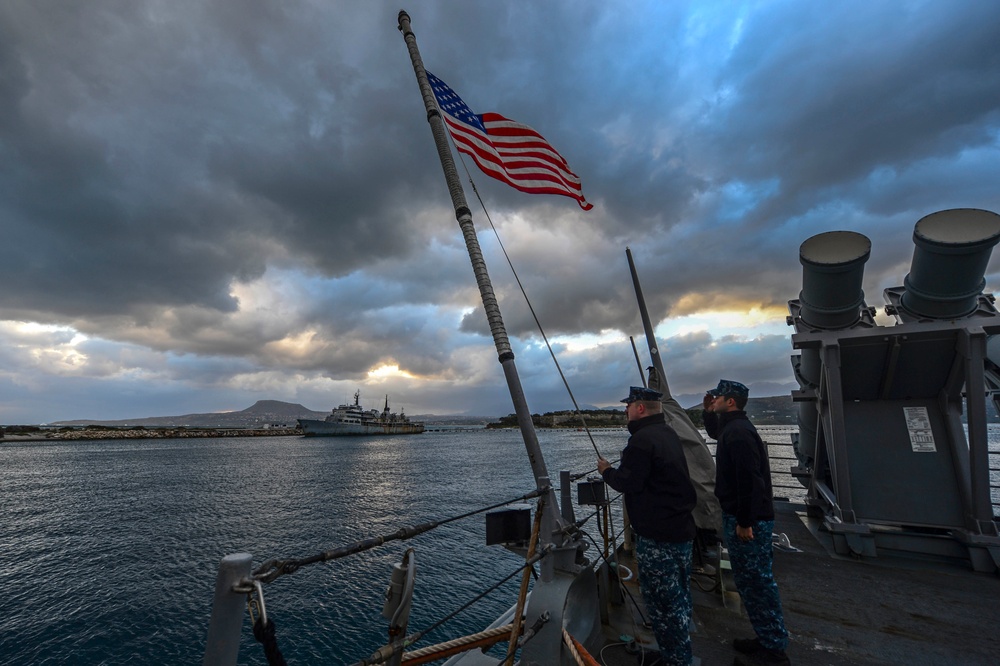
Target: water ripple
109,549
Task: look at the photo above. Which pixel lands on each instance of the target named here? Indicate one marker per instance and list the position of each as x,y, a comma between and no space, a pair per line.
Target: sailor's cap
730,389
636,393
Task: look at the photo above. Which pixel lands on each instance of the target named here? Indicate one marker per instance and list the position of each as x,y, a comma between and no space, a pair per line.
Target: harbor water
109,548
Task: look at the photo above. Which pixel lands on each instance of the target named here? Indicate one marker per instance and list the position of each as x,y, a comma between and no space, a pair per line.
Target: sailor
659,498
743,486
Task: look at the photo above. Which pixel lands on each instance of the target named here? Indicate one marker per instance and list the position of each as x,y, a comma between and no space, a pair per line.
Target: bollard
222,647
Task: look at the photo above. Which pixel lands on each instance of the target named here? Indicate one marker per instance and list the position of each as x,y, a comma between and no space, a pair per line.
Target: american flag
507,150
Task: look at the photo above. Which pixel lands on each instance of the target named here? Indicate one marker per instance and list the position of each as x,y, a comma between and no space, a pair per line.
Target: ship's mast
464,216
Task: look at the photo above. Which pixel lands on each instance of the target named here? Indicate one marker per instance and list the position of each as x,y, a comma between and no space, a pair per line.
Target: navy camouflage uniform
664,575
743,486
660,498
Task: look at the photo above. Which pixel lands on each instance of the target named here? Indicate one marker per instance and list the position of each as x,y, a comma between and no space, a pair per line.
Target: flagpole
464,216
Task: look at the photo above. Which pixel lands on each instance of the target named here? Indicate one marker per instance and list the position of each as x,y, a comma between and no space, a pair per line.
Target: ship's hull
316,428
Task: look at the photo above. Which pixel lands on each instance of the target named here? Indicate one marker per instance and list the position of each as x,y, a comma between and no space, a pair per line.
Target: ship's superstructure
892,440
353,419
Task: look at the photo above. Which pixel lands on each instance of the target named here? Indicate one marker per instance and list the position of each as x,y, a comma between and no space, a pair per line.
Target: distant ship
354,420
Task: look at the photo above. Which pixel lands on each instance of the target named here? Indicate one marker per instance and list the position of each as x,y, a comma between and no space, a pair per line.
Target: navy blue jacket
742,470
653,474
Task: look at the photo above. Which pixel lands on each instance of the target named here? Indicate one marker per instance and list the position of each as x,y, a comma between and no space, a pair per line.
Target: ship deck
843,611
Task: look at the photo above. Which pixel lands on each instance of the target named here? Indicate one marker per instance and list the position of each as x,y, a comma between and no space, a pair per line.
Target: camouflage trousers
751,562
665,582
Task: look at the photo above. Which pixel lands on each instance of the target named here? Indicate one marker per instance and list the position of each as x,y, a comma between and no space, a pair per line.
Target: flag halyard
507,150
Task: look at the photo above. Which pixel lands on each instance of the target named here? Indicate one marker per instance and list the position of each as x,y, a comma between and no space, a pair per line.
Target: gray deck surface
843,611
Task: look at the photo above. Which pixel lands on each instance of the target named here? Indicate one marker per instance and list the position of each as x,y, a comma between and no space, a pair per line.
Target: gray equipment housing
882,448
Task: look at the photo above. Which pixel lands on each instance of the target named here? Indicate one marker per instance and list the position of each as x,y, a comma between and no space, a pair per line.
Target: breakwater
95,433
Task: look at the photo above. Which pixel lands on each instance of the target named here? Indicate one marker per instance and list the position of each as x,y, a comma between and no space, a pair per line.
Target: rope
527,565
580,654
273,568
265,635
614,567
527,301
413,638
483,639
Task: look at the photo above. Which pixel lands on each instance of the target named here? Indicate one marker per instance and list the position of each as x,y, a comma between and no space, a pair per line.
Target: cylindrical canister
951,253
833,268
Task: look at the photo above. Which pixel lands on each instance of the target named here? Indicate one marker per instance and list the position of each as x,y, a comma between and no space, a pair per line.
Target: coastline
91,433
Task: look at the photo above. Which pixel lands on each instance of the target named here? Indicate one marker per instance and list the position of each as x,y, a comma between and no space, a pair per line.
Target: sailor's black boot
761,657
747,645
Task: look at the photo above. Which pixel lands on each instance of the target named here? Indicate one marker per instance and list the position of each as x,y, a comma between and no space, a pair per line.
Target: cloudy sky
206,203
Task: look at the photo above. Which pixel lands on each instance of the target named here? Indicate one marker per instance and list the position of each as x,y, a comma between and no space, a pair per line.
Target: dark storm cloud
909,84
219,195
166,154
805,126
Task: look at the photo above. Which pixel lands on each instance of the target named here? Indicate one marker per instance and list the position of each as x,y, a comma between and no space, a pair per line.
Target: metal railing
783,479
783,459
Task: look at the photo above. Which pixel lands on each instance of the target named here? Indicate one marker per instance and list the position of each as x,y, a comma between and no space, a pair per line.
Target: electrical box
510,525
591,493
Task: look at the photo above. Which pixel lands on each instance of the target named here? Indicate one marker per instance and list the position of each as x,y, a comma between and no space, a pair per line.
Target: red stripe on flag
518,158
517,155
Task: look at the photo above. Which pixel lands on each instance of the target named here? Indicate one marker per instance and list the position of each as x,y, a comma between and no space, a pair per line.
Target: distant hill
775,410
451,420
778,410
262,412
